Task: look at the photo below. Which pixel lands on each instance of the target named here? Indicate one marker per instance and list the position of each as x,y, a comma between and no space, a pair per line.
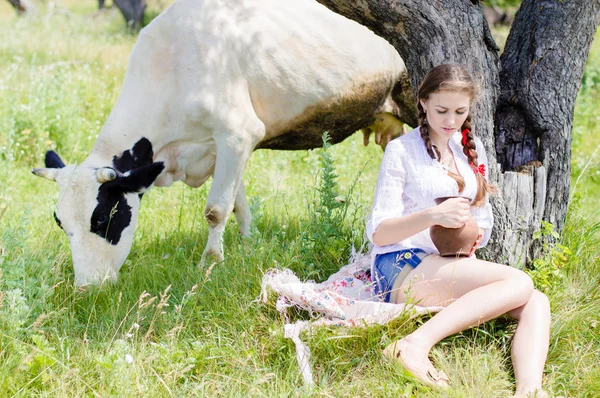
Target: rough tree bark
542,70
133,12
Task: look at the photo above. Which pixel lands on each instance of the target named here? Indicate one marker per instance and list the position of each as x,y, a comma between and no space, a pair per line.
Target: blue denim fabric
387,267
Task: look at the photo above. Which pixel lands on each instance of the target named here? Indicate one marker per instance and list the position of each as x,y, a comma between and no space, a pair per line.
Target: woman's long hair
455,78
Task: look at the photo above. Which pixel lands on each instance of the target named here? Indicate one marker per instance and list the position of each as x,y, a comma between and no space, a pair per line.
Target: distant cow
208,82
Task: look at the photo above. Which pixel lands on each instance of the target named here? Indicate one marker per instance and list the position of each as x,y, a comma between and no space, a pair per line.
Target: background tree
525,112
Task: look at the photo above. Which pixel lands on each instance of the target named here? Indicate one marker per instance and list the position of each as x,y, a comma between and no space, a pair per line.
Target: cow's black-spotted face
112,213
99,215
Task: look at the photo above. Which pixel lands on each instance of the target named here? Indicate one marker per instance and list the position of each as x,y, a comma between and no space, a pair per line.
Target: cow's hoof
245,233
245,230
210,259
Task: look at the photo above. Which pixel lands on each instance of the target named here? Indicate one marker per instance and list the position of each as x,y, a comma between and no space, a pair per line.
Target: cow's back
311,70
305,68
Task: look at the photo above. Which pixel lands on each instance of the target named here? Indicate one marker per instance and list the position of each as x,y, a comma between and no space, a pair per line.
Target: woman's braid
470,151
425,133
469,147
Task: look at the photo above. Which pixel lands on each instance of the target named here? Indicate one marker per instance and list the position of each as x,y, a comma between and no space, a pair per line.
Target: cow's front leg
232,155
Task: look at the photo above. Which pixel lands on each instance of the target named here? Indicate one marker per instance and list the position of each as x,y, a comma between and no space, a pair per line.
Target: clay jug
454,242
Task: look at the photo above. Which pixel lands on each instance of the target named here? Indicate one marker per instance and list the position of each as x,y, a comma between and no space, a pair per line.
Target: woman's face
446,112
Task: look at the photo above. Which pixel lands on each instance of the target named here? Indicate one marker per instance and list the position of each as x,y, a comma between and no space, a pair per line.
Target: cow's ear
53,161
53,165
49,173
139,180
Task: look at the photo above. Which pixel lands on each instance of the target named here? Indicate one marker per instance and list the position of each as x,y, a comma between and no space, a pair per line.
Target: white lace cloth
409,181
345,299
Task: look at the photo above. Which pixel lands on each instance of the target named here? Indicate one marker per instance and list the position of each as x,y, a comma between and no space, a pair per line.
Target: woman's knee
522,285
537,307
539,302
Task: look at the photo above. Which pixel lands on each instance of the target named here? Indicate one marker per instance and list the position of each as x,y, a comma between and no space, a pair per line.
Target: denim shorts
389,266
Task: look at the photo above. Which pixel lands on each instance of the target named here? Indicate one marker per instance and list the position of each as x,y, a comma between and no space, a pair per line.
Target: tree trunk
537,101
542,68
133,12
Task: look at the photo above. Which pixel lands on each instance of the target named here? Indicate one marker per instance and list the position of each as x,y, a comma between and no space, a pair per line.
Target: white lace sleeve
390,184
483,215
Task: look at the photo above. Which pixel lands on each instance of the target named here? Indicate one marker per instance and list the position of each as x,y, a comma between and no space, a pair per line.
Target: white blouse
409,181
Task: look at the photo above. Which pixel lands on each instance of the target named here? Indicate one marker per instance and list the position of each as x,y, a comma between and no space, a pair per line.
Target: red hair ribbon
464,136
480,169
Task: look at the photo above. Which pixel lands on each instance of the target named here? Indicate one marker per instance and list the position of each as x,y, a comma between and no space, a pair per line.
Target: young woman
442,158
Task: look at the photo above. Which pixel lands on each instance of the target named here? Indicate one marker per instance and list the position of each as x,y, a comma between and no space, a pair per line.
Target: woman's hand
452,213
477,242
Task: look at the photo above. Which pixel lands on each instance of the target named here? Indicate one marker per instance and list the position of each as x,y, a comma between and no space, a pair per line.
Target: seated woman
442,158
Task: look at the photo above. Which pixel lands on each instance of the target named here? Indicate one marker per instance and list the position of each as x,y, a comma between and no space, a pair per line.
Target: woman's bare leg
530,343
473,291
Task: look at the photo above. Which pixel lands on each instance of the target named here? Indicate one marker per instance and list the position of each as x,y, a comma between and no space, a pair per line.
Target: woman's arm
388,203
452,213
397,229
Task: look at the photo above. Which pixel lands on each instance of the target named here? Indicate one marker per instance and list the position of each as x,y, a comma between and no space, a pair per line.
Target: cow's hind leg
233,151
242,210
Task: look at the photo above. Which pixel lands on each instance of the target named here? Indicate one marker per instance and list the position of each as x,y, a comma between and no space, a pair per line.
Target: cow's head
98,207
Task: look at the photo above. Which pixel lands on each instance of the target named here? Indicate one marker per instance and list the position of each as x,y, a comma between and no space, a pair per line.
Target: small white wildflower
128,358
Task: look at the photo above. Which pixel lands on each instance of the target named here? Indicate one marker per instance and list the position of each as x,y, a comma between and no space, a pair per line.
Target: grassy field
169,329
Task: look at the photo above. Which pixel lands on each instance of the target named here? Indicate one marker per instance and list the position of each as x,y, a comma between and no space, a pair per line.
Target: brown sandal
431,376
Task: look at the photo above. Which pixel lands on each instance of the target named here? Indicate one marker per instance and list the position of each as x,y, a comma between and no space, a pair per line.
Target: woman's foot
414,357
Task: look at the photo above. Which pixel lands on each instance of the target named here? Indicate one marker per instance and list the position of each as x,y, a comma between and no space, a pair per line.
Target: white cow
208,82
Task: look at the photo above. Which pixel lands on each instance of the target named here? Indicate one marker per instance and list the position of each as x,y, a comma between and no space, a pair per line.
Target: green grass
189,333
